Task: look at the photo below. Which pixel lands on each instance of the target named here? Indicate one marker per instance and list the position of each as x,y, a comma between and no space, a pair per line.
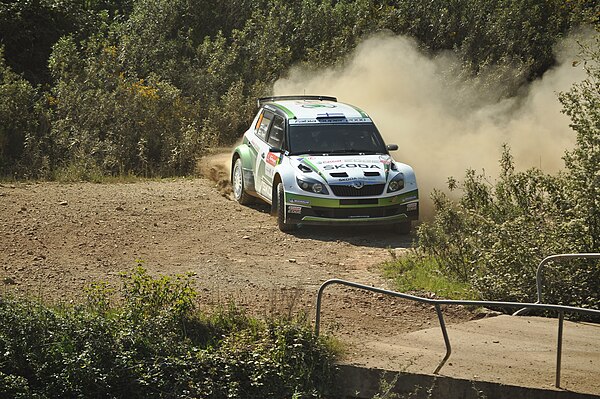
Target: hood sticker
313,167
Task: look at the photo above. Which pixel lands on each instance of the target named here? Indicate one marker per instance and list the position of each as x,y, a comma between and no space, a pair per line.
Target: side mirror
392,147
275,149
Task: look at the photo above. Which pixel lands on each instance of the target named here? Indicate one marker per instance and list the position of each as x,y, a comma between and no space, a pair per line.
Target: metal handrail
561,309
544,262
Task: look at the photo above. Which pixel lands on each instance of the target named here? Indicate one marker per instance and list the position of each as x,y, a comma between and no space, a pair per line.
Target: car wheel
402,228
237,181
283,225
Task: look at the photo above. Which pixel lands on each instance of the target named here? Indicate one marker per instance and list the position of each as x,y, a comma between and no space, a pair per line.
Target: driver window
264,122
276,132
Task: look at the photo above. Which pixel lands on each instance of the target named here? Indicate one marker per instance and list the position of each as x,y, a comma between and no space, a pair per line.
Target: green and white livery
318,161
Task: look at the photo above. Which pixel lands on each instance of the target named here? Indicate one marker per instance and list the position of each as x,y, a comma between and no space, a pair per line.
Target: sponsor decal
348,178
359,120
300,121
351,166
299,201
386,160
352,160
273,158
329,161
294,209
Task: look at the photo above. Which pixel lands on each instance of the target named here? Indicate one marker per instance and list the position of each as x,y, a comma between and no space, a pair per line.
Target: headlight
312,186
396,184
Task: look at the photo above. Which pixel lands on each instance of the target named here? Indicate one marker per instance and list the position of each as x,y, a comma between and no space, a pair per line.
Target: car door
262,149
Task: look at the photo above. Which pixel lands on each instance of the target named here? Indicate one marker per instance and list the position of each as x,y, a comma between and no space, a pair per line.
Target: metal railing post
318,310
561,318
446,339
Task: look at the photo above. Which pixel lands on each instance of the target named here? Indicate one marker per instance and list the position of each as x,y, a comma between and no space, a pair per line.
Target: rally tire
283,225
237,183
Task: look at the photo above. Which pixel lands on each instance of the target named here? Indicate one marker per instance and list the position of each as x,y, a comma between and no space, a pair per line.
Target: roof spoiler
276,98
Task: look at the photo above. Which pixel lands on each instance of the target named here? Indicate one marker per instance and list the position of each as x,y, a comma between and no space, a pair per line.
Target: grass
413,272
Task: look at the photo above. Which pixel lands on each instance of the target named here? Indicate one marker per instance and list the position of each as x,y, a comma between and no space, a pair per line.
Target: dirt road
57,238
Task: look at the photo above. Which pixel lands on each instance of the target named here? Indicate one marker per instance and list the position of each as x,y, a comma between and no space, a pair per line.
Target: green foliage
23,149
582,105
142,87
495,236
29,29
154,343
414,272
146,296
105,121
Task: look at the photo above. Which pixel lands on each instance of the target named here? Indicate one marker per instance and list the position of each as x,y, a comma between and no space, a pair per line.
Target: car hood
370,169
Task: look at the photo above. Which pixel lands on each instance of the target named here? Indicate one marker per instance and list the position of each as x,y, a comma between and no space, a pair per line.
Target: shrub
105,120
154,343
496,234
20,116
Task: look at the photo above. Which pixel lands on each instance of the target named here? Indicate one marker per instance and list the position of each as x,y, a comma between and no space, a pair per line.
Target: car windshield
335,139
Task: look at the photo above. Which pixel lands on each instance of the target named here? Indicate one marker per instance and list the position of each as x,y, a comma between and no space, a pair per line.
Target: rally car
318,161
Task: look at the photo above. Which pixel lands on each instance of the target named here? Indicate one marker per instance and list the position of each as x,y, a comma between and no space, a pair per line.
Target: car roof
315,109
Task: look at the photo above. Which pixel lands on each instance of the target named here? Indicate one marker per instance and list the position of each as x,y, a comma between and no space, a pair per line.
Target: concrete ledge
358,382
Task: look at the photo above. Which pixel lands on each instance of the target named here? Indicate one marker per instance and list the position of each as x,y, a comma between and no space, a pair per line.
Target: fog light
394,186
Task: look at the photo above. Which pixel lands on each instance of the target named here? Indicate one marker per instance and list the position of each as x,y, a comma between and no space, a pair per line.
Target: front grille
349,191
359,201
350,213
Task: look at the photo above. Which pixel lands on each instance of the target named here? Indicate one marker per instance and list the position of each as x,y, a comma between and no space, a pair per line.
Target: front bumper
373,211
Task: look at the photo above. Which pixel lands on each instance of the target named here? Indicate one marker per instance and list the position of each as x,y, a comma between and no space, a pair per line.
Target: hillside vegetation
113,87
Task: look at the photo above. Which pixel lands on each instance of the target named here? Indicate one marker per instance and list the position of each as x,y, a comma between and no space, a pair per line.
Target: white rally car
318,161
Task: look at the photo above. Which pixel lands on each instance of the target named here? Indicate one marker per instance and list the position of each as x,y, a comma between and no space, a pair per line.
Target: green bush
142,87
153,342
105,121
496,234
21,152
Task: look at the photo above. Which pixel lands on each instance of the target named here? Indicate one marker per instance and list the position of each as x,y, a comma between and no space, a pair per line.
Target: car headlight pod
312,186
396,184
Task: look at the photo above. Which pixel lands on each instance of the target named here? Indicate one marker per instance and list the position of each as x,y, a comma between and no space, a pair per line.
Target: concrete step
509,350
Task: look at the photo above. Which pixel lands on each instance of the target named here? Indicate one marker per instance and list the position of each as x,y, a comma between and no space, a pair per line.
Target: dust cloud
216,166
443,123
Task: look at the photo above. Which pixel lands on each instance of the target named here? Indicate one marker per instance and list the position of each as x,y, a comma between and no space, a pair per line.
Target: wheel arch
243,152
